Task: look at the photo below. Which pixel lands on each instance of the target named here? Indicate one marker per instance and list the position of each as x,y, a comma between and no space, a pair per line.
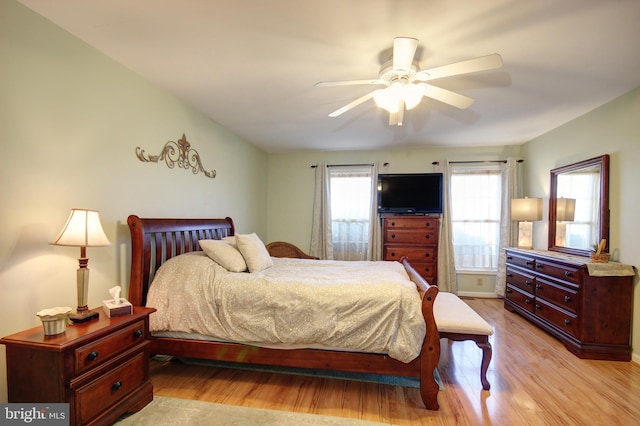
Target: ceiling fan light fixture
389,98
413,94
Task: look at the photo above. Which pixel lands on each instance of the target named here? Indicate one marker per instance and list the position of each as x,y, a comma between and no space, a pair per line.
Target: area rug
408,382
163,411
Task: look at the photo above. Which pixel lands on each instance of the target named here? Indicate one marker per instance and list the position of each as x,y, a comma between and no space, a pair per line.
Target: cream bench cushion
452,315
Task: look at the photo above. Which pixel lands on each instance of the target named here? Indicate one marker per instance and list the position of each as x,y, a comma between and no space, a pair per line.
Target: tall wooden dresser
415,237
587,306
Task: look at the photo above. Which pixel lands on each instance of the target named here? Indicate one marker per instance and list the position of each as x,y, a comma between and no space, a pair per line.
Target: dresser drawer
426,271
521,280
561,272
560,318
414,254
564,297
411,222
411,236
111,387
519,297
101,350
522,261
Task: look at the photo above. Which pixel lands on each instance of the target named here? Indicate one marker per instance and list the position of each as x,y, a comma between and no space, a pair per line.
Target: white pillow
254,252
224,254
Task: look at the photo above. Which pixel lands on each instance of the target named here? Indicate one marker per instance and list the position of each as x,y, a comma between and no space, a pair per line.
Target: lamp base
84,316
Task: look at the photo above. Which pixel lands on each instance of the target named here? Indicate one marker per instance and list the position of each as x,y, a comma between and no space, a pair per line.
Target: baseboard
635,358
479,295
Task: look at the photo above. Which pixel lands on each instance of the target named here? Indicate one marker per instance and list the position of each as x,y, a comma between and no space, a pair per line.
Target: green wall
71,119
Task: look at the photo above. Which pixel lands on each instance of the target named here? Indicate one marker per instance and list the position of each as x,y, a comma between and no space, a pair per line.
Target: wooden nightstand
101,367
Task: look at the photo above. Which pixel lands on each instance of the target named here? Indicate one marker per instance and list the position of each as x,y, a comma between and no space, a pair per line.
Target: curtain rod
349,165
435,163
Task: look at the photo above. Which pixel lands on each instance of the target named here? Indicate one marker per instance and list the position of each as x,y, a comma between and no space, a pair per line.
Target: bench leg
483,343
487,352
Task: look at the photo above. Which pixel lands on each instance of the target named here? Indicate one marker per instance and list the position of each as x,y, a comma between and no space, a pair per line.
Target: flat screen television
410,193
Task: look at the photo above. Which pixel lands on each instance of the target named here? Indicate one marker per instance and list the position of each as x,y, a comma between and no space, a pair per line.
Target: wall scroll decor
177,153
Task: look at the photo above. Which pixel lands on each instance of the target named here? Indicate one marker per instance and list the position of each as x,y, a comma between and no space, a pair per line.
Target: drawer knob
538,307
538,286
509,290
137,334
426,255
393,235
527,301
509,275
528,262
116,385
93,355
567,273
509,257
393,254
527,282
567,322
393,224
567,299
539,266
427,236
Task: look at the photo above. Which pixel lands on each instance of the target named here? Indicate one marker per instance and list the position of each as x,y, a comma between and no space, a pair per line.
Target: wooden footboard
154,241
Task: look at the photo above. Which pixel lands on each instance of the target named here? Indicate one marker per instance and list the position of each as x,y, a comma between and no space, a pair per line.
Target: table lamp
525,210
83,229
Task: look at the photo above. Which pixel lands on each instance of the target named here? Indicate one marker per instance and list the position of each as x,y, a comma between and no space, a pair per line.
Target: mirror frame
603,162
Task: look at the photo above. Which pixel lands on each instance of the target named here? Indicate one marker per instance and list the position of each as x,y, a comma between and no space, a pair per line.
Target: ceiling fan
405,82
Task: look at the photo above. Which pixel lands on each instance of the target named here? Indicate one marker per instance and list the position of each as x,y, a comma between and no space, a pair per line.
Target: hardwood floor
534,381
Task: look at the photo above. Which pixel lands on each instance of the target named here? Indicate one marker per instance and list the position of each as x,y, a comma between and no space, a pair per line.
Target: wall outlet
480,282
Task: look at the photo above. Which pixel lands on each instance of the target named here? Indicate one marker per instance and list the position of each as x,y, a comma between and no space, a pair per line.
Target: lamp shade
83,229
526,209
565,209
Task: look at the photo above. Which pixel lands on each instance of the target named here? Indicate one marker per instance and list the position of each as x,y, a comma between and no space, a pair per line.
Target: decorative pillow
230,240
224,254
254,252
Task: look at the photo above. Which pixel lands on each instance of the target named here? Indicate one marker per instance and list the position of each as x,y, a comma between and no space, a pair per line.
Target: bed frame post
430,352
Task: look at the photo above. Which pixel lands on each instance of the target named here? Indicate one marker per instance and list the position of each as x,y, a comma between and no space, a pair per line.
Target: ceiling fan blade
483,63
404,49
354,104
447,96
347,83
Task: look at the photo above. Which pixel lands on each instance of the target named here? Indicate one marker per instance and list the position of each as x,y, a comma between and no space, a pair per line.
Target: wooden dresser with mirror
588,306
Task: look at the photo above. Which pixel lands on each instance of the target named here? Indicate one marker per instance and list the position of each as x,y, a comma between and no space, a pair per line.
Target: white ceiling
251,65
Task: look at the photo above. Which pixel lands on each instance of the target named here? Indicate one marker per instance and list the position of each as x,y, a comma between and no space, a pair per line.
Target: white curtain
508,230
375,231
321,243
446,264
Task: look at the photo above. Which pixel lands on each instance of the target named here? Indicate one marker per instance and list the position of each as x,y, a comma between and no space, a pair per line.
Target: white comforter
360,306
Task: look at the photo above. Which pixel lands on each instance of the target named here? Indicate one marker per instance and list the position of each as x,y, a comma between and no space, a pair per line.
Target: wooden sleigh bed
154,241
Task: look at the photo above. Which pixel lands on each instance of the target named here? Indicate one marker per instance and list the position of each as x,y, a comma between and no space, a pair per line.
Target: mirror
579,206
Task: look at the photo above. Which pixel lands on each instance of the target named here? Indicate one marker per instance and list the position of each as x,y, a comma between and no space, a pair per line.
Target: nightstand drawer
95,353
111,387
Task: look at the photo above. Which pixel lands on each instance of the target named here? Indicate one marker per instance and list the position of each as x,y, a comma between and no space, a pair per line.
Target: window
475,216
350,189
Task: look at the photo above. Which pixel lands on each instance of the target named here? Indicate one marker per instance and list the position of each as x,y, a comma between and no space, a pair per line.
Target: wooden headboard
154,241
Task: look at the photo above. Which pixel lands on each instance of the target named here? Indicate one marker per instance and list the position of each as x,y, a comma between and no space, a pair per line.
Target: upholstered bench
458,321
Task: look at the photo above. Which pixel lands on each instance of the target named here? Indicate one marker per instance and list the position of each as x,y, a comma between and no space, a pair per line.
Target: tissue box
113,309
